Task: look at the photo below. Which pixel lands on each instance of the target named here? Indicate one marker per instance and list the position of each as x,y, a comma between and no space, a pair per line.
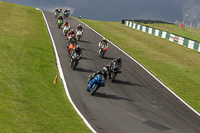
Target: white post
184,18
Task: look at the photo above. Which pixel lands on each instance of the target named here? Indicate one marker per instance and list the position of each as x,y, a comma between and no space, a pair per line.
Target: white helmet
77,46
105,69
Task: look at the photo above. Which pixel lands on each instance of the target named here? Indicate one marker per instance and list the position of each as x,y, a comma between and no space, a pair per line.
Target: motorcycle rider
77,50
102,72
57,10
66,24
60,18
72,40
60,10
71,45
67,11
72,34
79,28
91,79
104,41
118,60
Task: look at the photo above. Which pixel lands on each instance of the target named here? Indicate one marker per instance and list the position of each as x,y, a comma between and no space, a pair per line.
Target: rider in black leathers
77,50
60,10
79,28
118,60
60,18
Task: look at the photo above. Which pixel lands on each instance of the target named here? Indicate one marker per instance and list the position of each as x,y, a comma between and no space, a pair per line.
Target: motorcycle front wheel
102,53
113,75
94,89
74,65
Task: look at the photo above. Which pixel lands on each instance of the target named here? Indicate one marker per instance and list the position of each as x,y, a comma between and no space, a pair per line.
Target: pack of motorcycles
74,59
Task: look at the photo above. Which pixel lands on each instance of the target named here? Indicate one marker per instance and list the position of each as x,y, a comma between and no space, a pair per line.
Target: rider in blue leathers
92,79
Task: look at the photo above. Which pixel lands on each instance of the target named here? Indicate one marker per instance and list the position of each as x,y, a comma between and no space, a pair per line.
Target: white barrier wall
163,34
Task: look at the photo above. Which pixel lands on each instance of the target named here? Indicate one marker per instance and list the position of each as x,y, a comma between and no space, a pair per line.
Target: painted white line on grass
144,69
62,76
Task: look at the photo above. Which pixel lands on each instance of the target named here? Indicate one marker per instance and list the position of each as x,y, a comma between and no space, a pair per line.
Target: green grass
175,29
176,66
29,101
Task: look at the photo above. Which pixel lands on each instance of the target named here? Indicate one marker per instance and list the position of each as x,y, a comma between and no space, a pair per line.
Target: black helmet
66,21
119,59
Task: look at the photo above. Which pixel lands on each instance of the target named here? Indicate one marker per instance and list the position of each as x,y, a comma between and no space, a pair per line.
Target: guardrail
166,35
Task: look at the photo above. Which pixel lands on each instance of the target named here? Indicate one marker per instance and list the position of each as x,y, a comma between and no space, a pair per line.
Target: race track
134,103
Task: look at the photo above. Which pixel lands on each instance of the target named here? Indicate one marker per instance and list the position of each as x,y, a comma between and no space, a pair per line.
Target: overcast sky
116,10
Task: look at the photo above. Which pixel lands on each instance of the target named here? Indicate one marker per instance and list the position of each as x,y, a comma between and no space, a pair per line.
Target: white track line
62,75
144,69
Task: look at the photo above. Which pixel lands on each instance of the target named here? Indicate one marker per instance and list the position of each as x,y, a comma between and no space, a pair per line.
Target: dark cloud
116,10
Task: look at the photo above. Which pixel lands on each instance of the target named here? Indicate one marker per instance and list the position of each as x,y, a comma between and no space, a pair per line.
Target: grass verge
175,65
29,101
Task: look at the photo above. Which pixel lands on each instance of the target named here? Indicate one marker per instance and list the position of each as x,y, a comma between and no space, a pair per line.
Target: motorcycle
69,36
97,82
55,14
59,23
114,70
74,60
79,35
66,14
66,29
102,50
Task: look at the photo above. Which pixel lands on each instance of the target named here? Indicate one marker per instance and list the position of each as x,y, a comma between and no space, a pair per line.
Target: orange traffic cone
55,80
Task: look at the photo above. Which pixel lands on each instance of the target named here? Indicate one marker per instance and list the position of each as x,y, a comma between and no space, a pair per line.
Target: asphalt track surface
134,103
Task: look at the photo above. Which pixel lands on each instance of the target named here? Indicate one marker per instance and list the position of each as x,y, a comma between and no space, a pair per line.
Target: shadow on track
85,58
114,97
84,70
84,41
85,49
108,58
125,83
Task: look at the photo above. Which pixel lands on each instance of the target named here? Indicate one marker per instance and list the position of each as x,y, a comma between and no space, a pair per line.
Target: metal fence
195,29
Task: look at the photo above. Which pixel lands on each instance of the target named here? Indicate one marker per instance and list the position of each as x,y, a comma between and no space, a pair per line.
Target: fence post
175,22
